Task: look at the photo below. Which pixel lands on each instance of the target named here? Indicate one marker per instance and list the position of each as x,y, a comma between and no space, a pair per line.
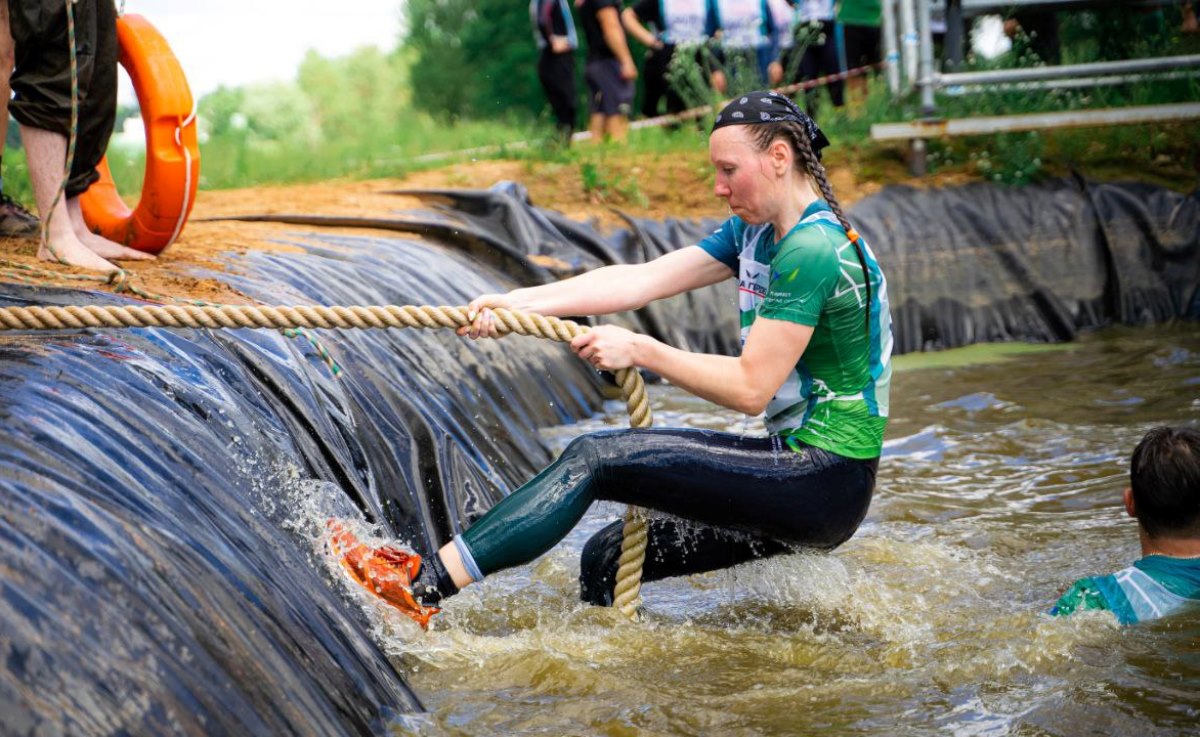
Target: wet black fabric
752,485
737,499
982,263
41,80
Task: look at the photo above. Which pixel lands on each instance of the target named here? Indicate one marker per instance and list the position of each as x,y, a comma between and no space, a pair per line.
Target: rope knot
119,280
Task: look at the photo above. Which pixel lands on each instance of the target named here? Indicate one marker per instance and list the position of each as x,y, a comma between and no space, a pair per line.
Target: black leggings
556,72
738,498
657,84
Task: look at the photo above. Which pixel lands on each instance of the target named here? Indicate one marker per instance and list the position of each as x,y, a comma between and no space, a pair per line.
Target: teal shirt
1153,587
836,398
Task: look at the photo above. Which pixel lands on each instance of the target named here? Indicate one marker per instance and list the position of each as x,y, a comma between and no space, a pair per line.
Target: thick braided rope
626,594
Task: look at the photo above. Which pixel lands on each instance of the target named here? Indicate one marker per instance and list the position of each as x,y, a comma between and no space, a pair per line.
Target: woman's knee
592,450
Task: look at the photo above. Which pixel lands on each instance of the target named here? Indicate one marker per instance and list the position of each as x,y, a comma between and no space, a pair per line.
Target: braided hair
809,163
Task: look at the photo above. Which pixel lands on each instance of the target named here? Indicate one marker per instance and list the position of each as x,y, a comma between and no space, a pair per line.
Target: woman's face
746,177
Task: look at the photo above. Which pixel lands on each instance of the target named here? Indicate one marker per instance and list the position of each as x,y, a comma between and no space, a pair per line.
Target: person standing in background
745,28
554,33
609,71
676,23
818,57
783,37
862,39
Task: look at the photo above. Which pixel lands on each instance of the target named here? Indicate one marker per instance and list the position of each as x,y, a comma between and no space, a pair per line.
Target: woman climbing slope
816,350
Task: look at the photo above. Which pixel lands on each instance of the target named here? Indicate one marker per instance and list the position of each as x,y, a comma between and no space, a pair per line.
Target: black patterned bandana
770,107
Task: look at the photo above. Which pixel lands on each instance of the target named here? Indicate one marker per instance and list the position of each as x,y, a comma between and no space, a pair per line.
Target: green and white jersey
1152,587
837,396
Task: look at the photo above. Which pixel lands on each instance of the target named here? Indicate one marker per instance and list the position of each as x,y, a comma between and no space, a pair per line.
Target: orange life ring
172,150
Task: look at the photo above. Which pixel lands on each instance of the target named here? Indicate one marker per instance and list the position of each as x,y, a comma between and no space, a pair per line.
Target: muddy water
1000,485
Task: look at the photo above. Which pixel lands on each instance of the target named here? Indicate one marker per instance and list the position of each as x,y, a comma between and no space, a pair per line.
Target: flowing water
1000,485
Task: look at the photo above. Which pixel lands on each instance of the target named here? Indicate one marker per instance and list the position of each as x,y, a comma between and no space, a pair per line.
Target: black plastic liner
965,265
157,575
154,578
1038,264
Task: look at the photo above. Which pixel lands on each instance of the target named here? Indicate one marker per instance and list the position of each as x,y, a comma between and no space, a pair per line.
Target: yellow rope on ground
626,594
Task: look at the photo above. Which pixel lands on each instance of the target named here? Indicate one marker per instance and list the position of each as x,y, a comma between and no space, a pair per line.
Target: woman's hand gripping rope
608,347
483,320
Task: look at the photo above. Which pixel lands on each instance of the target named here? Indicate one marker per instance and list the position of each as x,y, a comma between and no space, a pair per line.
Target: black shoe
15,220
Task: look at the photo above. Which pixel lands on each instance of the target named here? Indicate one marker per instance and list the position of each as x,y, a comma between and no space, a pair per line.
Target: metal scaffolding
908,52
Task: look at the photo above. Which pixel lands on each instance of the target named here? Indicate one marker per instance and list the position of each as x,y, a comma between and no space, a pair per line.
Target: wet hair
807,162
1164,473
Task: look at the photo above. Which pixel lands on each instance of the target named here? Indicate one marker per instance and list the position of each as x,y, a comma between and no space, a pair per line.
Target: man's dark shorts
608,93
863,45
41,81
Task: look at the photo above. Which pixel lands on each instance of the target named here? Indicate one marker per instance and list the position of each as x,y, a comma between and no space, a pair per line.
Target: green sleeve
860,12
1083,595
804,274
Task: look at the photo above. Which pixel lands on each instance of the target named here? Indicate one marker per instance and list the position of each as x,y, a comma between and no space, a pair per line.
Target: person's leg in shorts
15,220
611,100
42,105
556,72
863,48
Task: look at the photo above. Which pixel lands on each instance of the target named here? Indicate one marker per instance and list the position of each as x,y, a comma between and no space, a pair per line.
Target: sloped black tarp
971,264
157,576
502,228
981,263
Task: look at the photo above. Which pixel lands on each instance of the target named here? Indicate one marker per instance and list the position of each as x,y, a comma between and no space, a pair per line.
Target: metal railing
909,54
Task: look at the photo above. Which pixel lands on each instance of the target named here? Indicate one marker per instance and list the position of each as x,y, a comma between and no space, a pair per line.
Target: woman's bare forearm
622,287
602,291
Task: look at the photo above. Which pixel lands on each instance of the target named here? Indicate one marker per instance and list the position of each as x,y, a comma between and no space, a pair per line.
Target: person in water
1164,497
816,356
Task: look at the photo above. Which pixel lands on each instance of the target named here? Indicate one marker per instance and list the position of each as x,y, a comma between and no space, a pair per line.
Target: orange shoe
385,571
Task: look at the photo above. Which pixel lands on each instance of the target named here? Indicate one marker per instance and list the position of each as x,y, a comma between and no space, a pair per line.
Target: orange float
172,150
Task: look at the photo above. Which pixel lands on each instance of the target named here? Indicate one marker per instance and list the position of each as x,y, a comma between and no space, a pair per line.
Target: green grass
234,161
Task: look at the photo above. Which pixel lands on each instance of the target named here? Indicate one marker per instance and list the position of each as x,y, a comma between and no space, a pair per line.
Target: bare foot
102,246
111,249
67,249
